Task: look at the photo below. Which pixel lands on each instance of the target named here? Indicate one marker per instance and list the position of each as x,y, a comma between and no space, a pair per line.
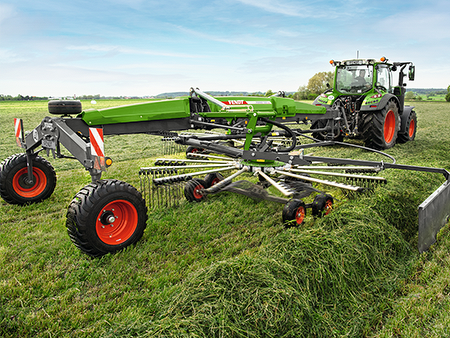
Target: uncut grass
228,268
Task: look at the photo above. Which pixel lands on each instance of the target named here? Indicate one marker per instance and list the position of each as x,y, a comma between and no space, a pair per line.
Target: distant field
227,267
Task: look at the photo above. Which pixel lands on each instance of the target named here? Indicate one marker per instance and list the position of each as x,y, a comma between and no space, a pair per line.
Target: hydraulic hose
288,130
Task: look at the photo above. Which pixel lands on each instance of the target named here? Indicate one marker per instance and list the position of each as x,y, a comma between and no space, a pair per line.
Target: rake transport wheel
322,205
192,190
194,150
105,217
380,128
294,213
212,179
411,128
14,185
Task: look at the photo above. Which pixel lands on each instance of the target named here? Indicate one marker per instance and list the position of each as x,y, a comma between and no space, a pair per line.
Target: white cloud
296,9
6,12
126,50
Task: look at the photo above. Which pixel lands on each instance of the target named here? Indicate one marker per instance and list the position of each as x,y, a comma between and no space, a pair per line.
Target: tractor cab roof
355,62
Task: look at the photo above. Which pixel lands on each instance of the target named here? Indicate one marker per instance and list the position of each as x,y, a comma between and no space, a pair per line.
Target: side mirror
412,73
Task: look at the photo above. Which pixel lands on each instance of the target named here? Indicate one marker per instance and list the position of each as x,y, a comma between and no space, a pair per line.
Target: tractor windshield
354,79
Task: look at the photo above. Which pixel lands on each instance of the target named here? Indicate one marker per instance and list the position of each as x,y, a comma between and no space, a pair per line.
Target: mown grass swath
226,266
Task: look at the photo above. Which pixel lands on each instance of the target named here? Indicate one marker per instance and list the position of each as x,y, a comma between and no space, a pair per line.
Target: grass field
227,267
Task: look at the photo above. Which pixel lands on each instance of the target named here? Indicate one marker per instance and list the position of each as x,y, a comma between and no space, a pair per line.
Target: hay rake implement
259,155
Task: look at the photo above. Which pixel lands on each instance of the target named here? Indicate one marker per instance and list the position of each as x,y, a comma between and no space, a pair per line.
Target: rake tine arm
316,180
280,188
217,187
362,177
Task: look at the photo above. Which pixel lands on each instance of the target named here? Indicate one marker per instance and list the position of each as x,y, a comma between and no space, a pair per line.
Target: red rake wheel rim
215,181
300,215
389,126
26,190
117,222
197,194
328,207
412,127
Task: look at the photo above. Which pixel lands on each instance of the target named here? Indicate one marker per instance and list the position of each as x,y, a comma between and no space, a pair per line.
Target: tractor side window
384,78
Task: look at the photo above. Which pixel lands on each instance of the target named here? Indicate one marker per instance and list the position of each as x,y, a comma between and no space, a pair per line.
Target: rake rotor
201,175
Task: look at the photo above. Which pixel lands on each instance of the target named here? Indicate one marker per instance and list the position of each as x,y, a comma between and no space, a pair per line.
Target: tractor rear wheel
105,217
15,188
411,128
294,213
380,128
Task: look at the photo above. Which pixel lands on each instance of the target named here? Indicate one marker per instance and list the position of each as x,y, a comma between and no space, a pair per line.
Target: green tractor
369,105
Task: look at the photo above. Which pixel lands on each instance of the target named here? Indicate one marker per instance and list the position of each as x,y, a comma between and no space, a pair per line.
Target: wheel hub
107,217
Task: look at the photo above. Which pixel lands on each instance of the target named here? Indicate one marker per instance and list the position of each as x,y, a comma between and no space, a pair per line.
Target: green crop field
226,267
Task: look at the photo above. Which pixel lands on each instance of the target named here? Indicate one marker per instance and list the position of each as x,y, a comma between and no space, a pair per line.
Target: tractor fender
404,118
383,102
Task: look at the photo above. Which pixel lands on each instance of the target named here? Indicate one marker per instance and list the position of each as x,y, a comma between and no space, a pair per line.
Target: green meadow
226,267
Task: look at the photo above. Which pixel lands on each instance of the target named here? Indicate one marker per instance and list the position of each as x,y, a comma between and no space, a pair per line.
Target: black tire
194,150
323,135
105,217
14,186
411,128
192,190
380,128
212,179
64,107
322,205
294,213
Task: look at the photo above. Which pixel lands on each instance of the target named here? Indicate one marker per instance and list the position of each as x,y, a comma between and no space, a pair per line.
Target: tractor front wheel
380,128
294,213
16,188
105,217
411,128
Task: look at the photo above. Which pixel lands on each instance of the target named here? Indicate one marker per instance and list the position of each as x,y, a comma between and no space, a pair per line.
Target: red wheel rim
197,194
300,215
412,127
328,206
24,189
215,181
389,126
116,222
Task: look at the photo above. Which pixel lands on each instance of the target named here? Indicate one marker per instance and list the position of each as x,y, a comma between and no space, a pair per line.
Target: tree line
21,98
317,84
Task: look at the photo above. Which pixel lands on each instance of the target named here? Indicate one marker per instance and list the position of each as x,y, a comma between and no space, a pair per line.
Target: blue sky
137,47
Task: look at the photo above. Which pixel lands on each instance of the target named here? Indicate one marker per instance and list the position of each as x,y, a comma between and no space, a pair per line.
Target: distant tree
447,97
269,93
409,95
302,93
318,83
